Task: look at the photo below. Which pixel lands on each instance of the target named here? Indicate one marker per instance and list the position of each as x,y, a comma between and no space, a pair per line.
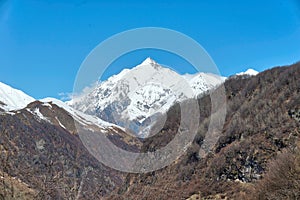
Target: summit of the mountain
148,61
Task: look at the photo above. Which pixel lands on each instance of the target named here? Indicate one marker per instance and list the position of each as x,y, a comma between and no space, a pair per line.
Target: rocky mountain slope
257,156
42,156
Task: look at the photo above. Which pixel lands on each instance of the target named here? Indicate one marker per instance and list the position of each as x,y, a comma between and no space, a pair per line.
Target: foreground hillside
42,156
257,156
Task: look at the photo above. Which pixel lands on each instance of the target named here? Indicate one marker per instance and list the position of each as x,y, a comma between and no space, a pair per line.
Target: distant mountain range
136,97
129,97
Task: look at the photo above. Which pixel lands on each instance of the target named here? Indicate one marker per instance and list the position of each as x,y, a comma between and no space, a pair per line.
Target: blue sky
43,42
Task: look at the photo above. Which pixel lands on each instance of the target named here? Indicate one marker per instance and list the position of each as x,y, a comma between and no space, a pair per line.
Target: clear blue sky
43,42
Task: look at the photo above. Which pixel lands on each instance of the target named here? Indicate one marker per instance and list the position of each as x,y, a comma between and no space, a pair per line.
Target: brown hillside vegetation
40,159
255,158
282,179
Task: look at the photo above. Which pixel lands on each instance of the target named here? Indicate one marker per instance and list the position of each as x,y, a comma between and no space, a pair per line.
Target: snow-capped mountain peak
250,72
148,65
132,97
13,99
148,61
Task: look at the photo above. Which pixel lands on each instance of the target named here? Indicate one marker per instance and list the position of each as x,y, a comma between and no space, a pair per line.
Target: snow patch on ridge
60,123
12,98
36,112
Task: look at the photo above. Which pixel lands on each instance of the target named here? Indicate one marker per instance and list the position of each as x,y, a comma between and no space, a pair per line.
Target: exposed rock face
295,114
